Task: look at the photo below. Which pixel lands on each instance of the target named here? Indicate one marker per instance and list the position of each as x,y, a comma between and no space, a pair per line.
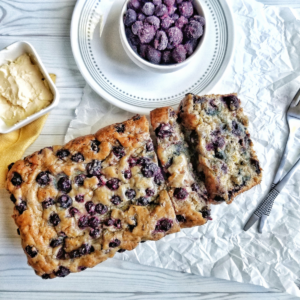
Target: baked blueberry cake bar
217,130
187,192
79,204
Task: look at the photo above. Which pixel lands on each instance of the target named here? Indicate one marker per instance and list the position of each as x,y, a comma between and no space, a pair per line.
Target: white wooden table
46,24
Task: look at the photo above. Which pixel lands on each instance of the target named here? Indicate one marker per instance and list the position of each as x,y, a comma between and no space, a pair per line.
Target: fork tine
296,99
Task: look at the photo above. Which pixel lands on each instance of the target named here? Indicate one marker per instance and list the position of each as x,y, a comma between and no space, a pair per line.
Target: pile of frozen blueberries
163,31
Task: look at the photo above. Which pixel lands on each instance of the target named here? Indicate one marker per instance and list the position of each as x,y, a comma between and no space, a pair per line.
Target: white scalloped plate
111,73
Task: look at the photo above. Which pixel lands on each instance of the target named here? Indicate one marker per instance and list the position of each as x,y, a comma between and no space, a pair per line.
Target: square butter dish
11,53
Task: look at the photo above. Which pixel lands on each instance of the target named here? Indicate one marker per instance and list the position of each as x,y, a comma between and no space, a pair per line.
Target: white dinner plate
110,72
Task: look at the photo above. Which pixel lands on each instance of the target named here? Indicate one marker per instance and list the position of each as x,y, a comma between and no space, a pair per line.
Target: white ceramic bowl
12,52
150,66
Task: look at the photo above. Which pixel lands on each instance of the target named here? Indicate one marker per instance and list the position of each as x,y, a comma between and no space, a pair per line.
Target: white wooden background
46,24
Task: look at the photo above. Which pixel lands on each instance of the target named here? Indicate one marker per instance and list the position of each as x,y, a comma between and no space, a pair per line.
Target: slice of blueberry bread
187,192
79,204
216,128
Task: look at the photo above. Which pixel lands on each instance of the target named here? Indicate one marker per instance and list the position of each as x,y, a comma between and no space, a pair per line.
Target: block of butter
23,90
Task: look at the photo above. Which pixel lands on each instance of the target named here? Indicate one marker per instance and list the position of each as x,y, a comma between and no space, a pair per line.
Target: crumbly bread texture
217,130
77,205
187,192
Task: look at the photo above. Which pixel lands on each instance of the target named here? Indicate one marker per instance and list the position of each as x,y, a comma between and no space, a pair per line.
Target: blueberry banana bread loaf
217,130
79,204
187,192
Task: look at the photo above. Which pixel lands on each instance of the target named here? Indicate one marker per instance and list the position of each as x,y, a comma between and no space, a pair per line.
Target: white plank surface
46,25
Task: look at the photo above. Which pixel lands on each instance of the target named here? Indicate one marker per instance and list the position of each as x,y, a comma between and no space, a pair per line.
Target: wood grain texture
46,24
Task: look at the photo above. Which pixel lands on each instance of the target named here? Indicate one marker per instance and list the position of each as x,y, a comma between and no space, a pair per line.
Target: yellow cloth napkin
14,144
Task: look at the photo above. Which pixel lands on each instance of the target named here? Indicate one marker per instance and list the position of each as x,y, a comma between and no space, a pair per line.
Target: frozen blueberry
119,152
232,102
163,225
159,178
113,184
146,34
199,19
163,130
94,168
64,185
94,222
193,30
157,2
141,17
73,211
120,128
130,194
10,166
171,10
43,178
166,22
142,201
169,2
149,146
174,17
115,200
95,145
134,4
179,54
101,209
16,179
21,207
186,9
94,233
83,222
77,157
62,272
115,243
149,170
180,218
31,251
47,203
13,198
149,192
166,57
161,10
255,163
54,219
148,9
175,37
153,56
46,276
161,40
132,161
90,207
79,198
127,174
136,26
190,46
180,193
181,22
130,17
79,179
236,129
64,201
143,50
62,153
206,214
154,21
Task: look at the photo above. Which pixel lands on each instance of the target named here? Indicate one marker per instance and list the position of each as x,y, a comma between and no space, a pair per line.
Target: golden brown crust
62,221
174,156
226,154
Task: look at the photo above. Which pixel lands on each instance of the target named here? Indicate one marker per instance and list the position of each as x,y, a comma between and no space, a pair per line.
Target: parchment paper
265,72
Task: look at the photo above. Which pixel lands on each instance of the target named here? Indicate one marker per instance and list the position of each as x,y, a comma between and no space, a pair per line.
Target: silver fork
265,207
